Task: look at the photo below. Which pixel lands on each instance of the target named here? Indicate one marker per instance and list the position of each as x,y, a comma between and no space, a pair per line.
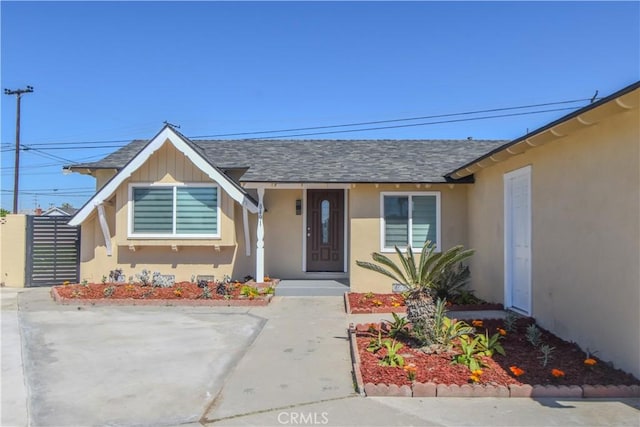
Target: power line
57,163
466,119
40,144
396,120
58,189
30,147
49,145
421,124
46,155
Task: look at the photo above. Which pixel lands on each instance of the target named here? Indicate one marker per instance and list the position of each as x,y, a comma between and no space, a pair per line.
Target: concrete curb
430,389
355,357
347,305
257,302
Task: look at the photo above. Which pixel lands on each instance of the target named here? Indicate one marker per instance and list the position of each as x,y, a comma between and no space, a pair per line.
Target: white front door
517,238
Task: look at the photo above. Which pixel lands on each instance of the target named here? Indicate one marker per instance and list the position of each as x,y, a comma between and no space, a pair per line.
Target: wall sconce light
298,207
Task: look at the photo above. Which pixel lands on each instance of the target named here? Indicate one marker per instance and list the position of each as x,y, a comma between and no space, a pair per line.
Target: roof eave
622,100
189,149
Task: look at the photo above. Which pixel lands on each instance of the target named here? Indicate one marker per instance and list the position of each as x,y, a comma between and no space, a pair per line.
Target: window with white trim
409,218
184,211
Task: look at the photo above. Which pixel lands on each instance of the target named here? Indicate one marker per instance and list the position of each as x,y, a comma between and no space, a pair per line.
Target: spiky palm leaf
420,276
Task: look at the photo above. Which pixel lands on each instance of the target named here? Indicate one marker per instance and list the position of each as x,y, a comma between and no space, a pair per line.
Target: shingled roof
346,161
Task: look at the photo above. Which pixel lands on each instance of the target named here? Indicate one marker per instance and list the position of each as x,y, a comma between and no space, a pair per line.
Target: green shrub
392,359
397,327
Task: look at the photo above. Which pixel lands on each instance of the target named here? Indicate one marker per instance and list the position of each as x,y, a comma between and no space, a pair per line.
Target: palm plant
419,277
451,283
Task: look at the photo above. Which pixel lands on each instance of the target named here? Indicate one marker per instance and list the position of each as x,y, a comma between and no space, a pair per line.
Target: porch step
310,288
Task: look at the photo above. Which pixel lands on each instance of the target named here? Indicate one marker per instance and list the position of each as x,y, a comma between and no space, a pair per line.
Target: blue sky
114,71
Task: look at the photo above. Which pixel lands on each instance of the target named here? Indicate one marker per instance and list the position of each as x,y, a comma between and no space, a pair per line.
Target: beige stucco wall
13,250
585,198
189,257
283,234
364,208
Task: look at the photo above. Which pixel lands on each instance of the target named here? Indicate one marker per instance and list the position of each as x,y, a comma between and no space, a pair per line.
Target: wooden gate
53,251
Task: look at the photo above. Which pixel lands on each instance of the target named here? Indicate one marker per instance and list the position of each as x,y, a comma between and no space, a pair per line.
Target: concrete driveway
284,364
116,365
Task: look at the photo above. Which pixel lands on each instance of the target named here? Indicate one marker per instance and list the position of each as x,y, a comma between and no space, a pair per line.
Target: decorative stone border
403,309
256,302
477,390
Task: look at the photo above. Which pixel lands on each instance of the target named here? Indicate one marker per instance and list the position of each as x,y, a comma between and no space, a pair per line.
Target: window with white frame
410,218
181,210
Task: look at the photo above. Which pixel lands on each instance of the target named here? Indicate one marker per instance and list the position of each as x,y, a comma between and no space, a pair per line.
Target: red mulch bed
179,291
375,303
437,368
360,303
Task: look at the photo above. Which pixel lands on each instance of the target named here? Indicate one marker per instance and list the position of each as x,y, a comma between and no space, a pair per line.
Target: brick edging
431,389
258,302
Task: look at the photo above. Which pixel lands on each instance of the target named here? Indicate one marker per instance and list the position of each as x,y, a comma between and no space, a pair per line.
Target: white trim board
437,195
167,134
296,186
509,251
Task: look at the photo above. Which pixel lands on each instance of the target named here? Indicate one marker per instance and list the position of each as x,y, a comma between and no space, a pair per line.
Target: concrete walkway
284,364
301,356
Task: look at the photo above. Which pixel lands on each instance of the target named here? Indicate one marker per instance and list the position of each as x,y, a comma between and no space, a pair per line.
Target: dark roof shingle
327,160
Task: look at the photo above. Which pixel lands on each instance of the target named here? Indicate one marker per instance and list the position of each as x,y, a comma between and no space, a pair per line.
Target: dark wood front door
325,230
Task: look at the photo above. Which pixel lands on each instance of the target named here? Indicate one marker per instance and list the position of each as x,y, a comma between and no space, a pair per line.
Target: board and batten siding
188,257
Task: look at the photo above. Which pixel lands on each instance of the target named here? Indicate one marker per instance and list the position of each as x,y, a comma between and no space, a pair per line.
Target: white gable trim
167,134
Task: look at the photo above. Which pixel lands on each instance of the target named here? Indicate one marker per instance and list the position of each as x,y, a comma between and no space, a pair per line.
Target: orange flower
477,323
557,373
475,375
516,371
410,367
502,331
590,362
411,370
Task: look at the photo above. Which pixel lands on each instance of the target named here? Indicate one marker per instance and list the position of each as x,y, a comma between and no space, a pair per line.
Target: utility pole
16,173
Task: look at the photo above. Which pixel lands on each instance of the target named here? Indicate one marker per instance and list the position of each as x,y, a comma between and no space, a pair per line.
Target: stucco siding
283,234
13,241
585,202
364,208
